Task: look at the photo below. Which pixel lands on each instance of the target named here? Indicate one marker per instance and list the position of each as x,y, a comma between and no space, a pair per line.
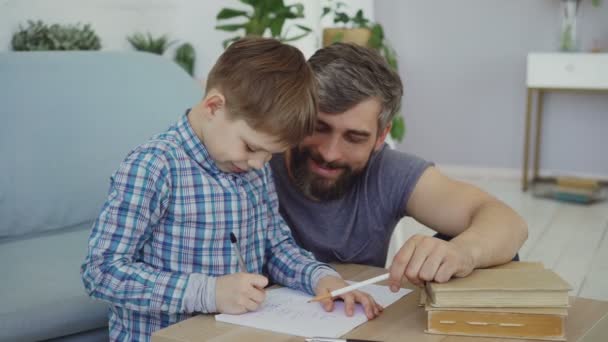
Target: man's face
235,146
325,165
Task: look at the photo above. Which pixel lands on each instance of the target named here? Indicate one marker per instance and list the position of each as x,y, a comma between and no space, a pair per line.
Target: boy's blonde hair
269,85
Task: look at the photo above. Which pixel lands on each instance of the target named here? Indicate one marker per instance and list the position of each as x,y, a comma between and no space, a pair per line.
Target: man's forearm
495,235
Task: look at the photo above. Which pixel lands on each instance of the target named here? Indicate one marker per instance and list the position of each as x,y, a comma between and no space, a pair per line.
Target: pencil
238,253
347,289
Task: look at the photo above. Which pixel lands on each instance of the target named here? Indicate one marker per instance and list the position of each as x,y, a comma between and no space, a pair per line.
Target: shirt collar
194,146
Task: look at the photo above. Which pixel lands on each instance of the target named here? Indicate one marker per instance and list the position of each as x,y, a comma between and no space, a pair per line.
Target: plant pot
359,36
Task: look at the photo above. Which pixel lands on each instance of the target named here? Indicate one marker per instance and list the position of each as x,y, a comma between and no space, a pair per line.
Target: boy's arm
112,270
289,264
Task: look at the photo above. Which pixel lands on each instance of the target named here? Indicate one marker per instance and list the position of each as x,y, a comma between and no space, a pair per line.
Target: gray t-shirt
357,227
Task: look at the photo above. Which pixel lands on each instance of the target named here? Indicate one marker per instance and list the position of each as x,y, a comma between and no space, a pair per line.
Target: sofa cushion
97,335
41,290
68,119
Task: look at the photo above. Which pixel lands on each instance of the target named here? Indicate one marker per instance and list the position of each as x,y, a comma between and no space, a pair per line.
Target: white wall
113,20
186,20
463,64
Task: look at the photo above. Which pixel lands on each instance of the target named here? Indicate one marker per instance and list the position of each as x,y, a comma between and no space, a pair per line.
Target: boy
160,249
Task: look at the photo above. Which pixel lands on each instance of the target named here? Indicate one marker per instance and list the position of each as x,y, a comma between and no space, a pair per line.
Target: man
342,190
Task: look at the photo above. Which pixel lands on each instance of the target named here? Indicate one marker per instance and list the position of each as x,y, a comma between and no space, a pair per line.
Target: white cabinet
557,71
568,71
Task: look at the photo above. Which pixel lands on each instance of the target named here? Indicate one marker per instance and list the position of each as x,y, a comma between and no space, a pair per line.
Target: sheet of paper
287,311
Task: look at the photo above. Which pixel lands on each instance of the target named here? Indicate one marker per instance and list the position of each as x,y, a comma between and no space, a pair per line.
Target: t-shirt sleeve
396,174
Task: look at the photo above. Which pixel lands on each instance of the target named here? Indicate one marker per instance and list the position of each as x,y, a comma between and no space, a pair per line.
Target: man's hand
239,292
424,258
330,283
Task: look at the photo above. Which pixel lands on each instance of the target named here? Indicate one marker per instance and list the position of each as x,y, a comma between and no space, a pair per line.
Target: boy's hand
240,292
330,283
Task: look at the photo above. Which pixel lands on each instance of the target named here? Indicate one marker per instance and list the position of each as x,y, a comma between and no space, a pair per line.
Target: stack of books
516,300
577,190
569,189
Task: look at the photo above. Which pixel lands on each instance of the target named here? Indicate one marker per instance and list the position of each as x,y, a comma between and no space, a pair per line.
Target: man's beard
315,186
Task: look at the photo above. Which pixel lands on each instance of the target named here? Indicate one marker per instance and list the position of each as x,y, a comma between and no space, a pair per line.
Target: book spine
510,325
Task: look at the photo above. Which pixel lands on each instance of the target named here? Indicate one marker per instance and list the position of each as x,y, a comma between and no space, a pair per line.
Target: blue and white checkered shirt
163,235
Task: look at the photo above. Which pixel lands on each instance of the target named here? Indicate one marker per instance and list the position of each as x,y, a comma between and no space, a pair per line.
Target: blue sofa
67,119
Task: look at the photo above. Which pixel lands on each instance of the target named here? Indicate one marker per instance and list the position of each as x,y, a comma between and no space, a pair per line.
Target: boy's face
234,145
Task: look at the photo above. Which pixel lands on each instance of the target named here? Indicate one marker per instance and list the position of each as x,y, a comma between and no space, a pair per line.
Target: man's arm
486,231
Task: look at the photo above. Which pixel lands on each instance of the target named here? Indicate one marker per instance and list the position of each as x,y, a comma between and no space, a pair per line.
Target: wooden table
403,321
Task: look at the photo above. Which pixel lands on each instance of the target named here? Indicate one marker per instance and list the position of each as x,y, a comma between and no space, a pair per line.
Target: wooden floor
568,238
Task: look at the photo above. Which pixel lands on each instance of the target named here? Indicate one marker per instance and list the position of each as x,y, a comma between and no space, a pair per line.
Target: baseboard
495,173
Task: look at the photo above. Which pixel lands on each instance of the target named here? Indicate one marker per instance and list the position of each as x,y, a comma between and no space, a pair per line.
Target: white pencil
353,287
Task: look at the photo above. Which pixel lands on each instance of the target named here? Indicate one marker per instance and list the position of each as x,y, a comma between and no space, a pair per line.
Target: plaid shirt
169,214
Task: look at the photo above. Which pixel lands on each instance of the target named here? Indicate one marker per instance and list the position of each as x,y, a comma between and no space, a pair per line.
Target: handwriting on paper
287,311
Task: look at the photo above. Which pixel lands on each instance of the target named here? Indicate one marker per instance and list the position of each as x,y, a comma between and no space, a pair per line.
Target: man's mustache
325,164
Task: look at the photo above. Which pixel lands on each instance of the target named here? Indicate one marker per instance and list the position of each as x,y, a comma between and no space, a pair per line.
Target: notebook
287,311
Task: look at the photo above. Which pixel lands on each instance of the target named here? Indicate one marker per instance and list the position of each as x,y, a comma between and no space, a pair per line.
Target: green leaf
304,28
377,37
597,3
291,39
276,27
185,56
228,13
326,11
390,56
266,15
253,3
148,43
227,42
230,27
398,128
341,17
359,20
272,5
288,13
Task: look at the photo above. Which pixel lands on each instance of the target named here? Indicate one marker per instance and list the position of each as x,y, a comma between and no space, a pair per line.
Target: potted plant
265,16
149,43
349,29
360,30
185,56
38,36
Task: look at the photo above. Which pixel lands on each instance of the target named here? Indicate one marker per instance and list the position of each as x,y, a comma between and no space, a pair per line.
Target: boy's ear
214,102
382,136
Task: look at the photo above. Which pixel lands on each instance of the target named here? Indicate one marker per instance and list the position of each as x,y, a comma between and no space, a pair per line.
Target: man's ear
213,103
382,136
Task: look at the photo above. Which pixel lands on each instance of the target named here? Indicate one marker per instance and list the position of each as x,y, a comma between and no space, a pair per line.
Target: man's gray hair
348,74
